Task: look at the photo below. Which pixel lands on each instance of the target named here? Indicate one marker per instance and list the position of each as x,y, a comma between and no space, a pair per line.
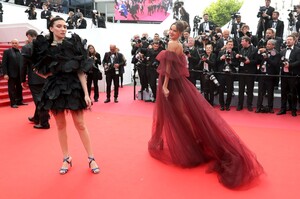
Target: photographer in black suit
35,82
247,64
290,69
265,15
46,14
226,63
269,59
111,63
206,26
277,24
237,27
11,64
193,55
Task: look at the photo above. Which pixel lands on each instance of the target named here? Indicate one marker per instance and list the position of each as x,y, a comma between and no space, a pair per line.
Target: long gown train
187,131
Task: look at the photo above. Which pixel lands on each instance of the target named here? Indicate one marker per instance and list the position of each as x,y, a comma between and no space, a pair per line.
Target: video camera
235,15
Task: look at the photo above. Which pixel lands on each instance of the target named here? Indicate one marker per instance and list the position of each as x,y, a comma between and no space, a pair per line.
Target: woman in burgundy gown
186,129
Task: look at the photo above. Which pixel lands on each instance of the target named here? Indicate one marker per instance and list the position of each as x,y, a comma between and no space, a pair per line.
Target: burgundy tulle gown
188,132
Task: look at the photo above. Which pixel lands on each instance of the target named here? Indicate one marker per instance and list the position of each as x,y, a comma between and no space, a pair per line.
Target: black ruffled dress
62,90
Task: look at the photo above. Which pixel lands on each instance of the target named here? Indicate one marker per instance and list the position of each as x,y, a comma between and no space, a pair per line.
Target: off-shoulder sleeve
177,63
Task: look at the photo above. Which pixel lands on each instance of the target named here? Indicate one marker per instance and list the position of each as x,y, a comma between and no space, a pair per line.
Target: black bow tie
289,49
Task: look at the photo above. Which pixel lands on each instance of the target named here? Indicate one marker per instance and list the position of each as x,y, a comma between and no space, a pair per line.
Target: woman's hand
166,91
88,101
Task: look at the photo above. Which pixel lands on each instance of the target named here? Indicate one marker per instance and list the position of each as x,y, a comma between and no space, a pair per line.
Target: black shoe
250,108
22,104
239,108
258,110
294,113
222,108
96,100
227,108
281,112
116,100
31,119
270,110
107,100
14,106
39,126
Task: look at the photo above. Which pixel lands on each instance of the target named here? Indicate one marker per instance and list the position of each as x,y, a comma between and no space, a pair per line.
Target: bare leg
62,136
84,134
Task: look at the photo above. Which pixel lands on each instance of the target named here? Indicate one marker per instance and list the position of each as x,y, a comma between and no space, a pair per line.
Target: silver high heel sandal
93,170
64,170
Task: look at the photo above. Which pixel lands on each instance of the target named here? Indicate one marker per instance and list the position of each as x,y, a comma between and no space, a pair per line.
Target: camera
242,58
211,77
235,15
285,62
186,51
197,19
262,9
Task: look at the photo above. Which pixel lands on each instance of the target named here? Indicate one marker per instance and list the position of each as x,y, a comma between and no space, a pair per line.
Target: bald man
11,63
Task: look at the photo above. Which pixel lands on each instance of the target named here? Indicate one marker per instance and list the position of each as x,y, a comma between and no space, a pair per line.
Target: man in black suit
247,65
112,60
290,70
226,63
265,15
11,63
46,14
277,24
269,59
237,26
35,82
206,26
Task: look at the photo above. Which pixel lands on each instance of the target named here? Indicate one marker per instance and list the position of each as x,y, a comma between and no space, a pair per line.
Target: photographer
247,65
269,59
46,14
111,63
298,18
237,26
193,55
277,24
152,65
141,66
290,70
206,26
226,63
31,11
208,80
245,31
97,20
264,14
93,73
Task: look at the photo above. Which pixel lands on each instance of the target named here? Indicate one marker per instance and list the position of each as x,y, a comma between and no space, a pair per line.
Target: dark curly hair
181,25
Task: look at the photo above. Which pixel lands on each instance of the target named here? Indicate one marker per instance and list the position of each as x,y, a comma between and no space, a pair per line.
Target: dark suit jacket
279,27
27,67
251,53
294,61
83,24
221,63
11,62
46,14
235,30
210,24
272,63
211,63
118,60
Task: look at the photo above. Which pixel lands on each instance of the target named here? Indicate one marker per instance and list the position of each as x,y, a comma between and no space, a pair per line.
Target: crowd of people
218,58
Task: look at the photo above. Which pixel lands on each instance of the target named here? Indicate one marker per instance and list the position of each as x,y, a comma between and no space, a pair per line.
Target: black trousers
109,78
288,87
193,77
40,115
152,76
225,80
208,88
15,90
92,79
266,84
143,76
249,82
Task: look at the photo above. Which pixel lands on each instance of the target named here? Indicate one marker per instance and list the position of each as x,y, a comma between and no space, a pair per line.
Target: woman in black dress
63,61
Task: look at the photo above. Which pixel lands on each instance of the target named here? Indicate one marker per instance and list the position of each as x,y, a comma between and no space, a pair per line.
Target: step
4,95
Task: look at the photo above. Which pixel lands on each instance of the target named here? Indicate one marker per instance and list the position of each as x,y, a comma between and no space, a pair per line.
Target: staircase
4,97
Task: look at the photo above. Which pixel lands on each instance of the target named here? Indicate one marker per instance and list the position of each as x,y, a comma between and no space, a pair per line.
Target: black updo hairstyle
181,25
57,18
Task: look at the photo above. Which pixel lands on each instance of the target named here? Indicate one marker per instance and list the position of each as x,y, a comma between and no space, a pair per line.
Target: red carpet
30,158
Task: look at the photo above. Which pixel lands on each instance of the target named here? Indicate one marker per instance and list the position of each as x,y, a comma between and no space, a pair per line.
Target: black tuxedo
82,24
36,84
11,64
247,80
278,26
46,14
226,79
264,21
288,84
206,25
207,85
194,60
269,65
110,72
235,29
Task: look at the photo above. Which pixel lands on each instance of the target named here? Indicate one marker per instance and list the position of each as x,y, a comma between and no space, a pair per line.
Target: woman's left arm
87,98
